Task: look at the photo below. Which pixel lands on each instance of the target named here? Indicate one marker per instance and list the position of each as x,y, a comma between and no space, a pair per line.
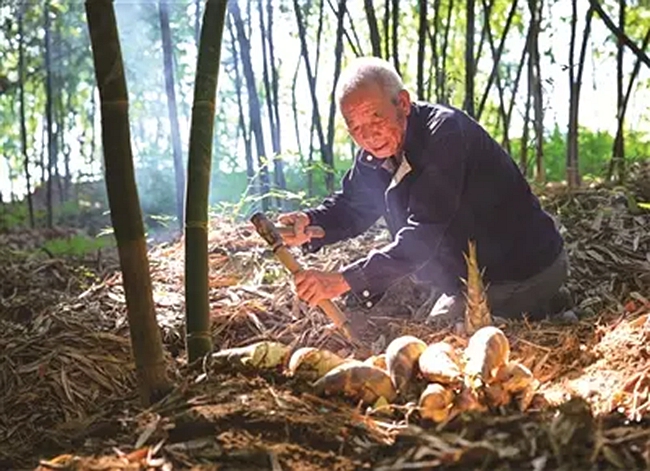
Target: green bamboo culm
197,308
126,216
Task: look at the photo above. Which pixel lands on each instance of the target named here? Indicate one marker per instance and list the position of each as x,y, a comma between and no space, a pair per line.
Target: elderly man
439,180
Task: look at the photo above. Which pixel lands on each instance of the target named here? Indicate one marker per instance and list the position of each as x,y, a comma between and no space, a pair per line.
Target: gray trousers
537,297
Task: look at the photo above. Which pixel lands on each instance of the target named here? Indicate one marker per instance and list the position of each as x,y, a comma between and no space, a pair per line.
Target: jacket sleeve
352,210
434,202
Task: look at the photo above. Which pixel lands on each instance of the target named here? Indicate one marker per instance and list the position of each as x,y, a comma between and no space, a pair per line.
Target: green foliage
13,215
235,196
77,246
231,192
594,150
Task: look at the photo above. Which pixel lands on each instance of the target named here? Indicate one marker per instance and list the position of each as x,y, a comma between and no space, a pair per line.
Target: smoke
139,34
142,54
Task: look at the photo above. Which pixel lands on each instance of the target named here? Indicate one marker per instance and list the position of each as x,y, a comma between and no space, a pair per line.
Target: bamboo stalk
197,308
124,203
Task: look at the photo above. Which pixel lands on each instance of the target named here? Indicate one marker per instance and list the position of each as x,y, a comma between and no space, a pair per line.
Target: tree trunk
638,52
124,204
395,25
254,109
48,114
59,115
265,74
358,50
355,45
250,166
312,124
294,107
67,178
275,135
442,76
635,72
469,59
42,156
327,157
314,115
535,78
197,315
375,40
433,38
571,158
487,8
338,54
422,37
575,81
23,130
310,159
496,55
618,152
179,170
386,26
274,84
523,159
319,34
520,68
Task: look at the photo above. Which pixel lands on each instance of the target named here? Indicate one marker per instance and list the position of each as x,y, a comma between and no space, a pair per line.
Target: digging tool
314,231
270,234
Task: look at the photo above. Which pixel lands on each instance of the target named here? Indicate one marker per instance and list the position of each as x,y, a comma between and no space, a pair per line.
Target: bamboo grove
276,135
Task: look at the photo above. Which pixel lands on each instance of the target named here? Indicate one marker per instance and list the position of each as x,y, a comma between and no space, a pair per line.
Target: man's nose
368,132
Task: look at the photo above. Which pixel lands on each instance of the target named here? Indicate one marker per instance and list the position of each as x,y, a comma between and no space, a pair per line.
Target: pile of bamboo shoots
441,380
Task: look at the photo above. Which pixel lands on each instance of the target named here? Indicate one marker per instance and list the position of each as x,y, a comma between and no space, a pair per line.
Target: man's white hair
363,71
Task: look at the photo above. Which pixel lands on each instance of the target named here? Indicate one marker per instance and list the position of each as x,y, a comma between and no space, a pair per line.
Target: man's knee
539,296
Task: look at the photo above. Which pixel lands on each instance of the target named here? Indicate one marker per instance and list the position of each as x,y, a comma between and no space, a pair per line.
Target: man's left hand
314,286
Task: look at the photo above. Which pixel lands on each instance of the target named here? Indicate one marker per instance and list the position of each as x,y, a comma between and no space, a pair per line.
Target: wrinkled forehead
364,96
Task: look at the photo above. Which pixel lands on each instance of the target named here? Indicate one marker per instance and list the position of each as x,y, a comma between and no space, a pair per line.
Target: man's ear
404,102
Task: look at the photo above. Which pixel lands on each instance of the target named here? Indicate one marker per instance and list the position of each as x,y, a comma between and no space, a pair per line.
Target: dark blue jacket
457,184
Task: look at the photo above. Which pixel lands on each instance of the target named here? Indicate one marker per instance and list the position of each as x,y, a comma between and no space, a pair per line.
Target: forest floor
67,385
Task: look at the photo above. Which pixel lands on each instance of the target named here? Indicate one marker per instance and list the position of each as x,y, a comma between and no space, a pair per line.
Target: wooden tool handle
269,233
314,231
287,259
328,307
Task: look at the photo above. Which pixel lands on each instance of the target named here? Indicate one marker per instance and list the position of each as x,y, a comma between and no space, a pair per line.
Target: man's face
376,122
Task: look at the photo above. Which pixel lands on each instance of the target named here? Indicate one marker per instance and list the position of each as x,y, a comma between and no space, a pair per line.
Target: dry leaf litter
67,382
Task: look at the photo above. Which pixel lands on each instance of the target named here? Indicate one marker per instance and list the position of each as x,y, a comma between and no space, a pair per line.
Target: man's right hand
302,233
